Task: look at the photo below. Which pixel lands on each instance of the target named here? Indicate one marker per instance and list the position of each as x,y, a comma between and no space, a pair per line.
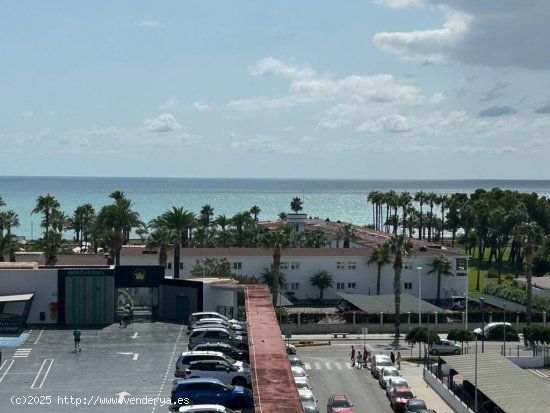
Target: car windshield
416,405
391,373
298,372
302,386
340,403
307,397
404,394
384,363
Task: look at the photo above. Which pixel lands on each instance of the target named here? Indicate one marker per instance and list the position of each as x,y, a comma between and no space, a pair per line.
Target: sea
344,200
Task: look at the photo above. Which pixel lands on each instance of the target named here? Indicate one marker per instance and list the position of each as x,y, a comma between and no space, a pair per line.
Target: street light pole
475,380
466,305
504,332
419,296
482,303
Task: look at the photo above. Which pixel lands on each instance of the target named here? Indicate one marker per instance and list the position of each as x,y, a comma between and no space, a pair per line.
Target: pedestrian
126,315
398,360
365,356
359,360
392,357
352,356
76,335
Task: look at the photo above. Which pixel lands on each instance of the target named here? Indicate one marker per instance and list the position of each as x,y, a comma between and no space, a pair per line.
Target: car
395,382
339,403
299,374
294,360
219,369
211,391
426,411
230,329
224,348
185,358
385,375
480,333
290,349
444,347
193,318
415,405
379,361
205,408
303,385
205,335
307,398
399,397
311,409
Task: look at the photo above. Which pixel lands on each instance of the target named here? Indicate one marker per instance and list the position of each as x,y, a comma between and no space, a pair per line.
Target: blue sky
302,89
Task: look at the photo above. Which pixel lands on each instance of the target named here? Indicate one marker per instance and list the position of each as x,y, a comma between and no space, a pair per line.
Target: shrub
495,334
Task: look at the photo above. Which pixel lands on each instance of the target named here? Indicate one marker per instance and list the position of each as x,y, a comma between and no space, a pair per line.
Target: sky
371,89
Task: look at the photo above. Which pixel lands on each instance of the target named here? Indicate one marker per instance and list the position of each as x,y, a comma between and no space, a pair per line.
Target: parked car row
396,387
214,375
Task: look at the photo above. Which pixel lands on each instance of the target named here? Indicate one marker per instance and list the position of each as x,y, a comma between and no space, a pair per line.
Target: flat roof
510,387
499,302
18,265
385,303
15,297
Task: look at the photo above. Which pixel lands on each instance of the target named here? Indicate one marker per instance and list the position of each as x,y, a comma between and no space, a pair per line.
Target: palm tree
404,201
268,275
347,233
296,205
46,204
160,238
277,240
8,220
431,199
224,236
398,246
420,197
255,211
442,266
282,216
321,279
443,200
380,256
52,241
529,234
317,238
59,220
2,202
239,221
178,221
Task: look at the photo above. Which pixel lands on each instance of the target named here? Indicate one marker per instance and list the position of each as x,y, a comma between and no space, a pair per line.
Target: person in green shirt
76,335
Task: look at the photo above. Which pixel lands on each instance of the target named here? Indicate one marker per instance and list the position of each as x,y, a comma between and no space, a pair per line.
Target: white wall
41,282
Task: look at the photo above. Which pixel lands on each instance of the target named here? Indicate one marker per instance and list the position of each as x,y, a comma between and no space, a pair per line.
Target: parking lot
119,369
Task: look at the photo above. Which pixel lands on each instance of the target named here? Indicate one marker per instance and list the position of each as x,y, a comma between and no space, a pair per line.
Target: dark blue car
211,391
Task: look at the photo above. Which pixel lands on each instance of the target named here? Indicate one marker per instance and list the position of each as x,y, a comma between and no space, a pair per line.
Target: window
169,266
408,286
340,286
237,265
351,265
294,286
284,287
351,286
340,265
294,265
283,265
181,265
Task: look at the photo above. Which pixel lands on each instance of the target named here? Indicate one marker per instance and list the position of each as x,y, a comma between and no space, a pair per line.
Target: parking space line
39,335
5,363
49,363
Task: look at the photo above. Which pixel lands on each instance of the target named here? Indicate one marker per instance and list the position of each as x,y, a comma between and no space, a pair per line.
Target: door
182,308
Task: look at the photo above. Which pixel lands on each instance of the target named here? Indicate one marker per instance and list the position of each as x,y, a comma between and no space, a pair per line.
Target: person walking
126,315
352,356
359,360
392,357
365,356
398,360
76,336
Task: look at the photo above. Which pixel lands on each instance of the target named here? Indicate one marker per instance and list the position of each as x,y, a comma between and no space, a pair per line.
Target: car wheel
457,351
239,381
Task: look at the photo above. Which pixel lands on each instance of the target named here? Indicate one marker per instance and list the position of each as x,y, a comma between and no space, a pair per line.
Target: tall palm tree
255,211
8,220
224,236
178,221
404,202
317,238
296,205
239,221
52,241
442,266
277,240
398,246
160,238
282,216
529,234
347,233
45,204
420,197
268,275
59,220
443,200
321,279
380,256
431,199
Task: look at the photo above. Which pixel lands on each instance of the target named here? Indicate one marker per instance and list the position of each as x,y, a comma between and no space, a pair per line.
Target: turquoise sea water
345,200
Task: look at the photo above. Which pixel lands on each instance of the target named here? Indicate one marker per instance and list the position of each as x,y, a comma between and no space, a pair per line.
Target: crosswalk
326,365
538,373
22,352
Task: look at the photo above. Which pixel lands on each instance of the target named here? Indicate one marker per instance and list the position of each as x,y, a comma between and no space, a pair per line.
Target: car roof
416,401
402,388
203,407
210,329
202,353
216,344
200,380
339,397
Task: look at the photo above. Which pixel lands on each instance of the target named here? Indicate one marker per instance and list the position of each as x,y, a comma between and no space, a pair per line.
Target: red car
339,403
399,396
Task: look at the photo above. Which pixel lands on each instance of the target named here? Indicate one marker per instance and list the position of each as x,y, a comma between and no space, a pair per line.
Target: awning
385,303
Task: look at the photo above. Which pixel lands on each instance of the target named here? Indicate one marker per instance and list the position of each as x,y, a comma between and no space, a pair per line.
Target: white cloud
169,104
150,24
437,97
270,65
493,150
390,123
487,33
162,123
28,113
334,123
201,106
259,143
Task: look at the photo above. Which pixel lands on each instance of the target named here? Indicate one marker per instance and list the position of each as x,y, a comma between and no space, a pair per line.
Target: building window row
346,265
285,265
345,286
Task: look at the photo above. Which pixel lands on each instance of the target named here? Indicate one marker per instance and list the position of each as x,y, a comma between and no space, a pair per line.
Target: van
378,362
188,356
205,335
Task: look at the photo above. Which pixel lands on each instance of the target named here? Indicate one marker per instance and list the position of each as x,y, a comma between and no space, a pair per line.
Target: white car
221,370
299,374
302,385
290,349
385,374
307,398
205,408
444,347
480,333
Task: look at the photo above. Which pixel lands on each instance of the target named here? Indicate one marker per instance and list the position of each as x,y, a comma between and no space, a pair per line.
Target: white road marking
48,363
317,365
338,366
134,355
307,366
348,365
135,335
5,363
538,373
22,352
39,335
328,365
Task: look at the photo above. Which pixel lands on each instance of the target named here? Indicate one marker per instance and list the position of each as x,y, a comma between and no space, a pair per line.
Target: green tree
440,265
462,335
51,243
268,276
179,222
160,238
322,280
317,238
212,267
398,246
380,256
277,240
282,216
240,220
45,204
347,233
421,198
421,335
296,205
255,211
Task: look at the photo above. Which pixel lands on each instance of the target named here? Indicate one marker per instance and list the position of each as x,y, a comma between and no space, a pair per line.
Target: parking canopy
386,303
499,302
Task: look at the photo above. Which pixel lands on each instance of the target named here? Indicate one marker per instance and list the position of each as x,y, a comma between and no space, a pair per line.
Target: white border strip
46,361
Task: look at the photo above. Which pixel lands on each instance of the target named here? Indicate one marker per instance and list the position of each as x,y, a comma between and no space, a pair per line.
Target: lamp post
419,296
504,331
482,304
475,380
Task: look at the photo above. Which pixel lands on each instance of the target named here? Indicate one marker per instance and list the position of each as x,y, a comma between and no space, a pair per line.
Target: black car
225,348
